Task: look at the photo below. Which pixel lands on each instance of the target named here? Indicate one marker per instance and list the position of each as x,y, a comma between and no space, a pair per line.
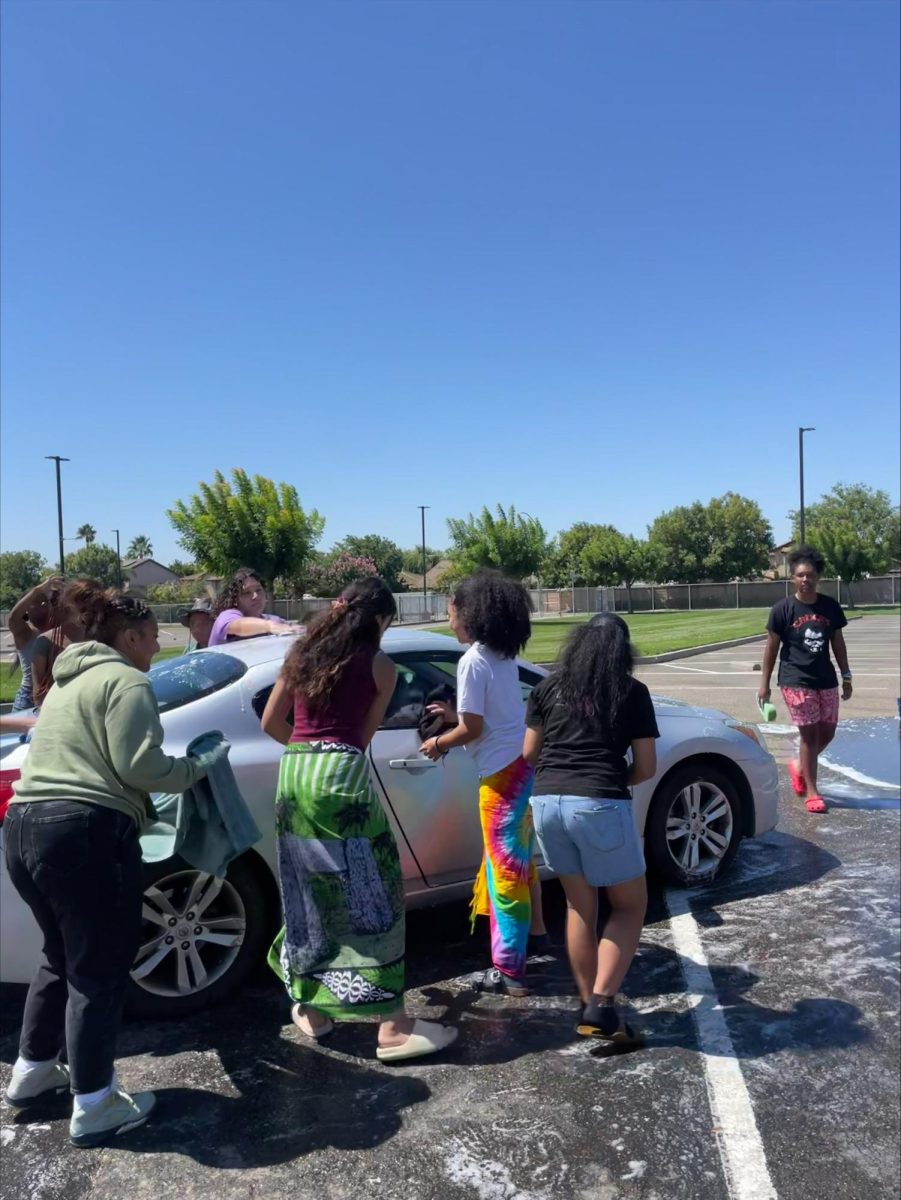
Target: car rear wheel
200,938
694,825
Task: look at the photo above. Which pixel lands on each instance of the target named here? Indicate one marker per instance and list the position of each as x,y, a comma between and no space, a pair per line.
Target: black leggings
78,868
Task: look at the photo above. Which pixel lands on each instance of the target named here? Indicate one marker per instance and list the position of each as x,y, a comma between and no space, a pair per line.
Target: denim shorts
593,838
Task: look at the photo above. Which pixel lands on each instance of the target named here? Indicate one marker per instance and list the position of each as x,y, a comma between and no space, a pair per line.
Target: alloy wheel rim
699,828
193,929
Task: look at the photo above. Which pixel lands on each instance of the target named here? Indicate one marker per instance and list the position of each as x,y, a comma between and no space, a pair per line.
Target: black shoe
606,1024
539,943
497,983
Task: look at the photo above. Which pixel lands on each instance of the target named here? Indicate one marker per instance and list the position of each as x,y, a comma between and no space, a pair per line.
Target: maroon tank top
341,720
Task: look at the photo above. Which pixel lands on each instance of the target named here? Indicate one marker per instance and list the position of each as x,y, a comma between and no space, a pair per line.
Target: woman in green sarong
341,951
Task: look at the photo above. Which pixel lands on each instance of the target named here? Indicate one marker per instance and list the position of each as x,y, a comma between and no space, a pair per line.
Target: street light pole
801,431
57,458
425,590
118,562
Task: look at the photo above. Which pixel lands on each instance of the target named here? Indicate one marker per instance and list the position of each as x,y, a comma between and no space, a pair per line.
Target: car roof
255,651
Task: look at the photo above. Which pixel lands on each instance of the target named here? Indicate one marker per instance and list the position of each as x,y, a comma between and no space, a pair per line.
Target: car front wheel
200,938
694,825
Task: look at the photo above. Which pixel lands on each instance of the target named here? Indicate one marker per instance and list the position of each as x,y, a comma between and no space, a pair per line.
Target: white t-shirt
488,687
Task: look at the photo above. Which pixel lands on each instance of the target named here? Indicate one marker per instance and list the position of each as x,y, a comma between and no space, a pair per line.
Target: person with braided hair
74,856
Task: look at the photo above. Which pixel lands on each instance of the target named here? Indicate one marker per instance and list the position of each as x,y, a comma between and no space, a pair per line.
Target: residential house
142,573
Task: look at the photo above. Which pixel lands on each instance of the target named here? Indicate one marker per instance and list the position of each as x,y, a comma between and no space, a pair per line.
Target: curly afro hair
495,611
807,554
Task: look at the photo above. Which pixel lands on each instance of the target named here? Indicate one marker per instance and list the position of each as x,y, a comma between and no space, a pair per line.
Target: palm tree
88,532
139,547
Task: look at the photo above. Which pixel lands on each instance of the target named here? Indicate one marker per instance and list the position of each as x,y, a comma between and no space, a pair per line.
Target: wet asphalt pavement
800,944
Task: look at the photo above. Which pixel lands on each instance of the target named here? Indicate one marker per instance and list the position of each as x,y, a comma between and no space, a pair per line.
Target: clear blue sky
594,259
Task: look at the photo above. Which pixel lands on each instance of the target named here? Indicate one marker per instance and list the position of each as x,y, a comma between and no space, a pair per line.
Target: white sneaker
31,1085
117,1113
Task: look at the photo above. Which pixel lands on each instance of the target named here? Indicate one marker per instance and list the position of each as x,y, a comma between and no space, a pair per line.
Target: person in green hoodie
73,854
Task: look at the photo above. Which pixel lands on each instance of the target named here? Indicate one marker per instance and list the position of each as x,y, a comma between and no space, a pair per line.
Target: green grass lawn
9,679
652,633
658,633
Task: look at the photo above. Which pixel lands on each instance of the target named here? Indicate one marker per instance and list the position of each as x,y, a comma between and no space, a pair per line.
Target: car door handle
411,764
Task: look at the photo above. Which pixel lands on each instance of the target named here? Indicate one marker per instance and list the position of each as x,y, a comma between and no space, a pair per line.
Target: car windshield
178,681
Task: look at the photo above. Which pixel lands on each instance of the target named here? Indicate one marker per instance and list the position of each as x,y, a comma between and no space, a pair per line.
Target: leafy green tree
182,567
249,522
97,561
562,565
387,556
172,593
845,555
729,538
856,527
139,547
611,558
20,571
88,532
508,540
412,559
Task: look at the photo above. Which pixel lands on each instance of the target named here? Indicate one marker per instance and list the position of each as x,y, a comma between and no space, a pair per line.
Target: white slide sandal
428,1037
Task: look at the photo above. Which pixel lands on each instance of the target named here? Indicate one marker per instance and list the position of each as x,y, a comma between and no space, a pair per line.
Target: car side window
527,681
260,700
418,677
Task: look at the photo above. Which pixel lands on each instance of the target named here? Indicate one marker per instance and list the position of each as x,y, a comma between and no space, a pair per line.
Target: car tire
694,810
228,935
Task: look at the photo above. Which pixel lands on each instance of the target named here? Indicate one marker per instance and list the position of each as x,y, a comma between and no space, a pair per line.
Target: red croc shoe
815,804
799,787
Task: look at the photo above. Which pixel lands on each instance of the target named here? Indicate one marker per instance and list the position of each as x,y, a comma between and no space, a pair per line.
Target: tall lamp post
425,590
801,431
118,562
58,458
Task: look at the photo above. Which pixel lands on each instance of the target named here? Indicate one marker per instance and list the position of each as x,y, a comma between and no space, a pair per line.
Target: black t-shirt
575,759
806,630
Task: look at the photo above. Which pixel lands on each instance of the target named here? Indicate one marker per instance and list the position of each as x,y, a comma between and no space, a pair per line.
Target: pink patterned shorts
807,707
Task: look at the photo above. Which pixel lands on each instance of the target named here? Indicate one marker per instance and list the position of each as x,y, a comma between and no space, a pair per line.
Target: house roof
414,580
139,562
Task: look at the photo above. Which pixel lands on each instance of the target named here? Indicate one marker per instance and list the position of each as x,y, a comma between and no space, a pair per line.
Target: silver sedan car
715,784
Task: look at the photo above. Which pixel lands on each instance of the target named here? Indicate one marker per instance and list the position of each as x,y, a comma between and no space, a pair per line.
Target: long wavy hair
495,610
594,670
228,597
315,663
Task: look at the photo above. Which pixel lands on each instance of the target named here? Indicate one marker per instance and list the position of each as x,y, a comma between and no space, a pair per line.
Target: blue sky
593,259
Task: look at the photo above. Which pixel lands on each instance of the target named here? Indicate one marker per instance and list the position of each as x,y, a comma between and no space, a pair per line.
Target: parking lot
770,1001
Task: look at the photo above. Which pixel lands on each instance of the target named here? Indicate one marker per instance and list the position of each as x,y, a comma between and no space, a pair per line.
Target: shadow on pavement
811,1024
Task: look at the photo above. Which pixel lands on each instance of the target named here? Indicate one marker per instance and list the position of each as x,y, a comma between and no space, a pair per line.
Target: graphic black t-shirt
806,630
575,759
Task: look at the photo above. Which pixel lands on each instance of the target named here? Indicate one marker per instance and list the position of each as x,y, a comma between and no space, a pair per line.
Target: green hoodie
99,738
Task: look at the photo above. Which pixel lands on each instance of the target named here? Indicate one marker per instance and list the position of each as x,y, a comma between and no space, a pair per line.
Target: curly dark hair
495,610
316,662
106,611
228,597
595,665
807,554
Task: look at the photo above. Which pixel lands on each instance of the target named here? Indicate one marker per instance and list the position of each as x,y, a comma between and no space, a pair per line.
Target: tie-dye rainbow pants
501,889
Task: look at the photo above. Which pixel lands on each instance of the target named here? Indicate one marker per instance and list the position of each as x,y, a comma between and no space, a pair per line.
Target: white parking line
741,1150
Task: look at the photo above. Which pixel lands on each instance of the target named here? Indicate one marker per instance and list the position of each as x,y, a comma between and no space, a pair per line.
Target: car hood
670,707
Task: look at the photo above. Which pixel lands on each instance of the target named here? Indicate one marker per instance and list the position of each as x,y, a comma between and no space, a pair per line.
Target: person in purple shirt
239,611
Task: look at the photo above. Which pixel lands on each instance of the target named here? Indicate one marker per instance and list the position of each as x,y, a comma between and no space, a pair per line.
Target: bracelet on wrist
437,744
847,676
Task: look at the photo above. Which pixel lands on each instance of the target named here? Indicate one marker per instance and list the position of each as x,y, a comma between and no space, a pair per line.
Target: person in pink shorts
801,628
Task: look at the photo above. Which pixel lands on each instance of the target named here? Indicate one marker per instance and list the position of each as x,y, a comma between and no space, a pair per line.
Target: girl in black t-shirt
802,629
581,721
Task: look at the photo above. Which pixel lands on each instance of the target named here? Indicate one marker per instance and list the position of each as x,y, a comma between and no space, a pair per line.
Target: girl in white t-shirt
493,614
